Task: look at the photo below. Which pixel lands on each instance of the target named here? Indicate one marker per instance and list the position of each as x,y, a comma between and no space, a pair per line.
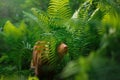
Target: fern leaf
59,8
84,11
39,21
31,16
12,31
42,16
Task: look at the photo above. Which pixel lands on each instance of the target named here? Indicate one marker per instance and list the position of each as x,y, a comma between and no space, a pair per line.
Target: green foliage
92,35
111,36
93,67
81,33
54,31
59,9
57,13
42,4
13,77
10,30
33,78
74,4
10,10
104,61
85,29
15,47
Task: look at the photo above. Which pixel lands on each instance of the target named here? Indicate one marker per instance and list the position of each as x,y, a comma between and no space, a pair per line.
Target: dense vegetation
90,28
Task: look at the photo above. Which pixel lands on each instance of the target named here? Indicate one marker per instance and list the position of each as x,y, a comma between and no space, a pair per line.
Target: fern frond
41,15
38,20
12,31
59,8
85,10
31,16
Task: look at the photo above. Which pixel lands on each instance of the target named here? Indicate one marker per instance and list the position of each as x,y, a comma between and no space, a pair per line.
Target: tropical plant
104,61
59,25
91,34
15,48
53,30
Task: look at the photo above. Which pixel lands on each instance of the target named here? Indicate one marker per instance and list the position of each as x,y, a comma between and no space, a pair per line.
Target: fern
60,9
58,12
12,31
16,49
42,16
39,20
102,24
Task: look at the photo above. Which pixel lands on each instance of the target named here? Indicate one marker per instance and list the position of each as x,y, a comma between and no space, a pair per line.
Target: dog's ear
62,49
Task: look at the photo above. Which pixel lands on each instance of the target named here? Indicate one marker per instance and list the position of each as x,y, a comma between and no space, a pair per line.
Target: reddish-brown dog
38,51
